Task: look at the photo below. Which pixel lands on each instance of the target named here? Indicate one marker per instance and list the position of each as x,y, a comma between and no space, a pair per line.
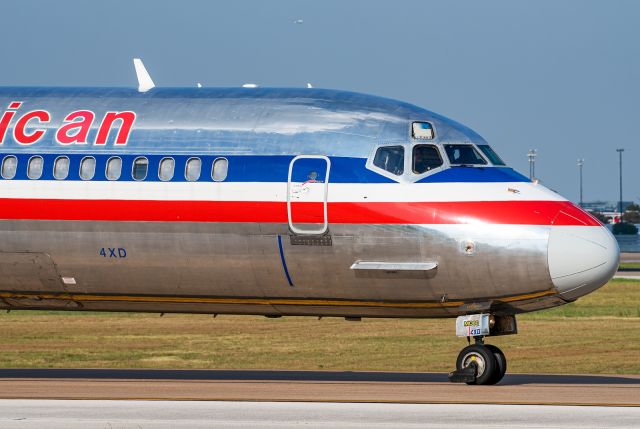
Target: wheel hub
477,359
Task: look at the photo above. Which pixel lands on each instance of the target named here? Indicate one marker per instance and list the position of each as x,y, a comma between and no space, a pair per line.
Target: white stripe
248,191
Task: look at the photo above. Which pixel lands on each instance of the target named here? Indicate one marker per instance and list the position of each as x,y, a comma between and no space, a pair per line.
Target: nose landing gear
480,363
501,362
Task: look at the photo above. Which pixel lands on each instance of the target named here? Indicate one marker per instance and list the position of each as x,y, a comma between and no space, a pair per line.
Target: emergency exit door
307,191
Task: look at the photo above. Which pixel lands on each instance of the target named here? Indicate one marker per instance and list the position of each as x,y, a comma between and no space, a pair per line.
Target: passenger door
307,191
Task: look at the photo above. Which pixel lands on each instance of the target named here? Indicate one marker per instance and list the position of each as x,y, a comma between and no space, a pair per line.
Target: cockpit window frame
396,154
413,158
488,156
408,176
371,166
487,162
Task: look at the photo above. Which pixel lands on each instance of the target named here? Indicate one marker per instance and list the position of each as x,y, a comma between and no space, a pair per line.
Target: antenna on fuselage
145,83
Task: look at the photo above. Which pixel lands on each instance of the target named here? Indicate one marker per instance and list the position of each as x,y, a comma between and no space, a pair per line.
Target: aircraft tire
485,360
501,362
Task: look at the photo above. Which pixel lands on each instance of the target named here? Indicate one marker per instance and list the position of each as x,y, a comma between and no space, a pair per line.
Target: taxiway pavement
37,414
315,386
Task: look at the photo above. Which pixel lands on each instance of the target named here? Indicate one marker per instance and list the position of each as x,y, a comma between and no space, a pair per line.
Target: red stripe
463,212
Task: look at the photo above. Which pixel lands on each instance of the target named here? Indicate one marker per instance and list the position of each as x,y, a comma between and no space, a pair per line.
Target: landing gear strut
481,363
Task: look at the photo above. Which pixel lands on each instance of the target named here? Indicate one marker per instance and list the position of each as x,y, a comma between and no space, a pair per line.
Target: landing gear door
307,189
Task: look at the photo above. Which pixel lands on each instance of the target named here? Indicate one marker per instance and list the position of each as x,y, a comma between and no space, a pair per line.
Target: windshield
491,154
463,154
425,158
390,158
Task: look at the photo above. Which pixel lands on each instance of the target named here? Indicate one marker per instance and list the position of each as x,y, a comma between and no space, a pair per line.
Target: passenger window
192,172
422,130
490,153
34,168
165,171
463,154
425,158
220,169
391,159
61,168
87,168
114,168
140,167
9,167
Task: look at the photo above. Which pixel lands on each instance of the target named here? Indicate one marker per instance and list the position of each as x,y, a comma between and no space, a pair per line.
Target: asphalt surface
314,386
38,414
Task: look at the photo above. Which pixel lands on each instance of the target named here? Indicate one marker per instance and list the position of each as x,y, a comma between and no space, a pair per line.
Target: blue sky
562,77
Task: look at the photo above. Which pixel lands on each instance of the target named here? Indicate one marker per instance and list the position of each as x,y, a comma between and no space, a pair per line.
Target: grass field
598,334
630,265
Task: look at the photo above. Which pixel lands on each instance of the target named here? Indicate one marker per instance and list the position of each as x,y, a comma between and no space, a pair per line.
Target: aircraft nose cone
581,259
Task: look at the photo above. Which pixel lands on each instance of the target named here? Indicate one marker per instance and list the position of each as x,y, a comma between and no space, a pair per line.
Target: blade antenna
145,83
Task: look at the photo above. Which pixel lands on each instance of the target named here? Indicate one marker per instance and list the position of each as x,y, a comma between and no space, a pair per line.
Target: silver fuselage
231,247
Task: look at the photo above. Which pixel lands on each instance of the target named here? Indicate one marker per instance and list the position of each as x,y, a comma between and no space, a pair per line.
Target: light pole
580,164
532,162
620,150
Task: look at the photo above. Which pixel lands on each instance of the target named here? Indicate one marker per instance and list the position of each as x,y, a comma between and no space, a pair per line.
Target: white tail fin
145,83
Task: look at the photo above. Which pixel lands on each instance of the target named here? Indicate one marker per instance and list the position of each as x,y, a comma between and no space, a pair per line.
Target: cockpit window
425,158
490,153
422,130
391,159
463,154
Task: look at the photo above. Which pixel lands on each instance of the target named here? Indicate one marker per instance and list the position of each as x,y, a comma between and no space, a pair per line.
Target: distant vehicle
274,201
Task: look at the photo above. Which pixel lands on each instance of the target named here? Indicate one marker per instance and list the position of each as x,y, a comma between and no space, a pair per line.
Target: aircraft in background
280,201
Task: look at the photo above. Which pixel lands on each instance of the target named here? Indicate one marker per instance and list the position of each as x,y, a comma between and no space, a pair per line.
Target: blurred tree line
632,214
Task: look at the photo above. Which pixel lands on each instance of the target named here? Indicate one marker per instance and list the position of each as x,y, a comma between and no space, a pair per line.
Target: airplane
280,202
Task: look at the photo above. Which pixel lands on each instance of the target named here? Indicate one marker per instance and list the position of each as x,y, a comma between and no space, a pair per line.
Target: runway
635,275
314,386
37,414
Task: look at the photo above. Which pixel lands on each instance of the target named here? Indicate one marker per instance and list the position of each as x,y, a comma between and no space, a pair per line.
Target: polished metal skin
241,120
237,267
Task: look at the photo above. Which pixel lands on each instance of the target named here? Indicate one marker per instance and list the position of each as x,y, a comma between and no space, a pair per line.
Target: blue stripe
476,174
253,168
284,263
